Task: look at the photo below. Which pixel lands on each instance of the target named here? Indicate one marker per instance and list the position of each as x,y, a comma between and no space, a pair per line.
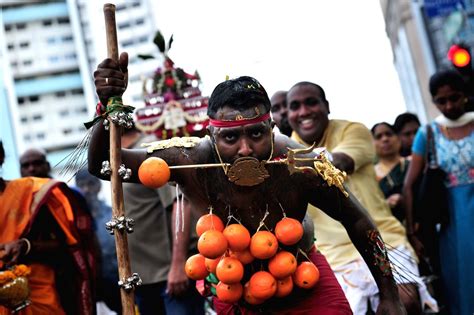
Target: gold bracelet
28,245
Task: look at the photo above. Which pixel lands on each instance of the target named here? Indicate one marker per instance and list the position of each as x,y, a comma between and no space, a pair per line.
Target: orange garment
19,206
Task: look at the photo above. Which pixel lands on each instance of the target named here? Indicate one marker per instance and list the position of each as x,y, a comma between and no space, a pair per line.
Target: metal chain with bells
122,119
120,223
105,170
124,172
131,282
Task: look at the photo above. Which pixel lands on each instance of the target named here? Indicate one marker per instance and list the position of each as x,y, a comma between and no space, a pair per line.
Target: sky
340,45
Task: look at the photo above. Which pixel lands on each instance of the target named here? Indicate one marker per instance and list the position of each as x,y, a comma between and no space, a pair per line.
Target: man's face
34,163
253,140
279,112
307,112
407,135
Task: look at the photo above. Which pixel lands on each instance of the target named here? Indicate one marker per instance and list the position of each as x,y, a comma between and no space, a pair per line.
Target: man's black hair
318,87
404,119
382,123
449,77
240,94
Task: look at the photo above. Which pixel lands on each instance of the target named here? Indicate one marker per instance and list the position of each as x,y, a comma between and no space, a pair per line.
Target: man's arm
354,150
12,252
365,237
110,80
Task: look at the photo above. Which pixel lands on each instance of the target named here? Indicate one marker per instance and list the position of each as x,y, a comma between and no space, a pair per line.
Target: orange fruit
263,245
229,270
249,298
306,275
229,293
209,222
288,231
282,265
154,172
237,236
195,267
262,285
284,287
245,256
211,264
212,244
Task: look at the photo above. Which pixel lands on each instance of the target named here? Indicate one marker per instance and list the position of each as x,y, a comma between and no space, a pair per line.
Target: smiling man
350,146
247,188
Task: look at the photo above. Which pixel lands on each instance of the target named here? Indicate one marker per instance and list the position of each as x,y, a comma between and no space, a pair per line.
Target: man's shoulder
344,124
200,148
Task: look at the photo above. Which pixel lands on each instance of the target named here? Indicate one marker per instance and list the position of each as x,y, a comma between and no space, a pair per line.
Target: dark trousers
152,299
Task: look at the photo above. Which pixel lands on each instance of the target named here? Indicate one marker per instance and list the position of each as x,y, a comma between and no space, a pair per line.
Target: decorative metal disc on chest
247,171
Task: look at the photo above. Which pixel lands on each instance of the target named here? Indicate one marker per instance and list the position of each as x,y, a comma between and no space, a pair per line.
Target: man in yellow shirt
350,148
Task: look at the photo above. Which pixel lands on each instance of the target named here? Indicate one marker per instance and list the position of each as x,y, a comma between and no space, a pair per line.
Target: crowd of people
59,231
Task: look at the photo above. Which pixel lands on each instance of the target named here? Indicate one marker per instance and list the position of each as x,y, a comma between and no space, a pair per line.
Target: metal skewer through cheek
290,161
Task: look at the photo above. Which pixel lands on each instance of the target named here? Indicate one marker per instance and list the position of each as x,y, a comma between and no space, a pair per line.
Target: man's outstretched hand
111,78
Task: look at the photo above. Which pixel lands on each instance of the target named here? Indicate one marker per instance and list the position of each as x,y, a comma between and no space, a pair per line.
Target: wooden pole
121,244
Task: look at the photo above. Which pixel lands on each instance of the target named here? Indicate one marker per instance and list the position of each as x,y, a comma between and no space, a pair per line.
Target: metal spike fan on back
76,160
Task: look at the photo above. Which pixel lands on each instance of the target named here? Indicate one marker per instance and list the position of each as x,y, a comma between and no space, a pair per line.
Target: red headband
238,122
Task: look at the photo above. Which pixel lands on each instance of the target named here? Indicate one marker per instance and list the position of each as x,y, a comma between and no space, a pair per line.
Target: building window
40,136
121,7
82,110
20,26
47,22
24,119
67,38
27,62
53,59
140,21
63,20
8,28
11,46
37,117
24,44
60,94
51,40
77,92
21,100
14,64
64,113
127,43
123,25
67,131
143,39
34,98
71,56
27,138
136,4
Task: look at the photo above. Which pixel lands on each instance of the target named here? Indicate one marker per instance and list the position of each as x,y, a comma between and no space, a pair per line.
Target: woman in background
453,134
391,166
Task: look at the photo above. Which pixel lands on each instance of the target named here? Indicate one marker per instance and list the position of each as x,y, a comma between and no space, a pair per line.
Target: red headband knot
239,121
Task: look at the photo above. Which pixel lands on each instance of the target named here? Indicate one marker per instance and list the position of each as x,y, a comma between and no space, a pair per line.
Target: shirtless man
240,127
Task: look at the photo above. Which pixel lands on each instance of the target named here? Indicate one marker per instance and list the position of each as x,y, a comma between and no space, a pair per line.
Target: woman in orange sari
43,226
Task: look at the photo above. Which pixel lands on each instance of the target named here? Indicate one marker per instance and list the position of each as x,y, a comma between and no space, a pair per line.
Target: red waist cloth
326,298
